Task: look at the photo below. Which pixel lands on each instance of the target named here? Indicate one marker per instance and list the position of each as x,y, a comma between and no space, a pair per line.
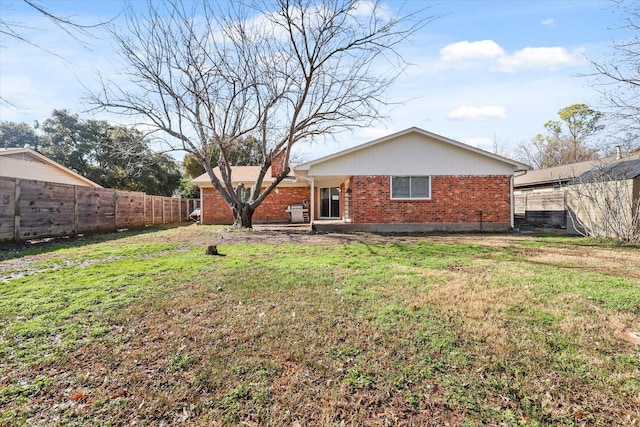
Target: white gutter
513,210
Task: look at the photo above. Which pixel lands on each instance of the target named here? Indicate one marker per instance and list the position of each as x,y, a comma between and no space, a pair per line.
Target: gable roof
26,163
410,151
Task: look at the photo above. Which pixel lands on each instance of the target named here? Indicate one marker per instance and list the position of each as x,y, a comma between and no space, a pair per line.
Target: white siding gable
413,153
25,165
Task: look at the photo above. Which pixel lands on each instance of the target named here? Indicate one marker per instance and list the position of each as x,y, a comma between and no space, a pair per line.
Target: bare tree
602,202
617,77
205,75
12,29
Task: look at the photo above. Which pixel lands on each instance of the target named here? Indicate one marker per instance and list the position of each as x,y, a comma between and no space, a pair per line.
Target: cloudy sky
483,72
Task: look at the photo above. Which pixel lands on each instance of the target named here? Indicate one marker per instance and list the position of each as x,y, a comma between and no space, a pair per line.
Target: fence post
76,214
116,196
16,210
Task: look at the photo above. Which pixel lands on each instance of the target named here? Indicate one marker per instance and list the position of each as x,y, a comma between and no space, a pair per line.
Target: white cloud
540,57
469,53
478,113
465,51
548,22
366,8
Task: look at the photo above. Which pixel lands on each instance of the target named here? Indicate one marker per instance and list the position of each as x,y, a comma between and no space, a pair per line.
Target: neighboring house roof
626,169
553,175
245,174
412,151
26,163
564,173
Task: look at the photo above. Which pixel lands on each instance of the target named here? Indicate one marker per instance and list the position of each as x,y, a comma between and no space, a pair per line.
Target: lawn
288,328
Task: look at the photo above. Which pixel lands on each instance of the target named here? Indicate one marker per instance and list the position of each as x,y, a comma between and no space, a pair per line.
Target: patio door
329,202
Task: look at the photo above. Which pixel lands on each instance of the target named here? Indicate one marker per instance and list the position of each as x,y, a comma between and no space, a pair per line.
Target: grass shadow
13,250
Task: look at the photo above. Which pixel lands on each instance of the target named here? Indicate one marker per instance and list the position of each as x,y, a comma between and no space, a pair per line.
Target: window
410,187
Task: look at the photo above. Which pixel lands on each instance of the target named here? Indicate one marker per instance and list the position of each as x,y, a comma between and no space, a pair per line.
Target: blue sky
484,72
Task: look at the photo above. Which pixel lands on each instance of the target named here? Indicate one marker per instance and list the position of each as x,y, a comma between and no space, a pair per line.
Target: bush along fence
34,209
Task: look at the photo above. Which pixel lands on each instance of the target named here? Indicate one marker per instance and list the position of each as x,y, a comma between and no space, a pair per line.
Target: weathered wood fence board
7,209
546,208
546,201
520,204
96,209
44,208
130,210
35,209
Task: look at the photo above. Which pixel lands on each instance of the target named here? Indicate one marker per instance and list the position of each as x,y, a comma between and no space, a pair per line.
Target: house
412,180
547,197
25,163
214,210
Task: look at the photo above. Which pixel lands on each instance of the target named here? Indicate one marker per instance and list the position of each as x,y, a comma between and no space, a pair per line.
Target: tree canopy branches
112,156
210,75
567,140
617,77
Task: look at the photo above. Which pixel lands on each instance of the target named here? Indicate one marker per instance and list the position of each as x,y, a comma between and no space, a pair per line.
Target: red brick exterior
277,166
216,211
454,199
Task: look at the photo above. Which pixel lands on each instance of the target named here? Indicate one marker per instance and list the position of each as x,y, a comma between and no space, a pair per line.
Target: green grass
414,331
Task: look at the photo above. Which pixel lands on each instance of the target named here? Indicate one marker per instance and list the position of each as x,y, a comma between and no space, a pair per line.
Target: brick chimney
277,166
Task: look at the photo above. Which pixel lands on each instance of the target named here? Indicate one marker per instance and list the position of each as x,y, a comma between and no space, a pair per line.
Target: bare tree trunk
243,215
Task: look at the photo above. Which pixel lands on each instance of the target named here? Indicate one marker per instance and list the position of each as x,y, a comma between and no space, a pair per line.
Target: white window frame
409,198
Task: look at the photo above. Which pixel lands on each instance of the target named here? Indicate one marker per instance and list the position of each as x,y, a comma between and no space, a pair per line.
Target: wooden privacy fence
35,209
544,208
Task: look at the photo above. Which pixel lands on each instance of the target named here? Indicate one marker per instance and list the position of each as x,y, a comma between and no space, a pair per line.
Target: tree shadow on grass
13,250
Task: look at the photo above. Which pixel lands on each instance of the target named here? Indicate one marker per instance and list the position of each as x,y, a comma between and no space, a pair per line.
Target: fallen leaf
78,396
631,336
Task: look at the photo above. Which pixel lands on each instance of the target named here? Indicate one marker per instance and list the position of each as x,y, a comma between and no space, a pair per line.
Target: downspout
511,196
201,205
313,201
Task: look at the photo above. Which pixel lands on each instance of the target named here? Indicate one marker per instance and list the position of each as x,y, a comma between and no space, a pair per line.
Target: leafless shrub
605,202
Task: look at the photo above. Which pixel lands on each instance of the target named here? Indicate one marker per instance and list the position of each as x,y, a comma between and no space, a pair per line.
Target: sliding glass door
329,202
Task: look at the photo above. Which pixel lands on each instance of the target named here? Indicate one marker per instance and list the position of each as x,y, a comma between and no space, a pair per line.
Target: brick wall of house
454,199
277,166
216,211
